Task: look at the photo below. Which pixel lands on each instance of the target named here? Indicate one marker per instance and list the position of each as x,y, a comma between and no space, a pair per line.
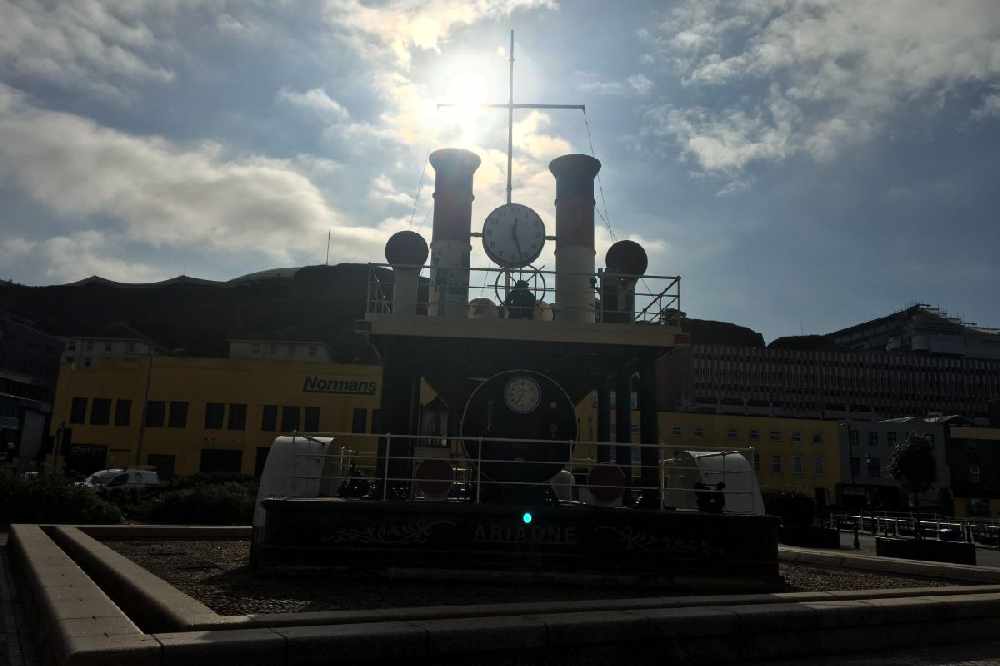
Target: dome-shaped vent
626,257
406,248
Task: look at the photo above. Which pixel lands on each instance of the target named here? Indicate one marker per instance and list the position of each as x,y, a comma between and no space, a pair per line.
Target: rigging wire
420,189
600,185
605,217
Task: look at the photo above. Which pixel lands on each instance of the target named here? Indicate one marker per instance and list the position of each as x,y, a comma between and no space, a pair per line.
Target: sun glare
467,88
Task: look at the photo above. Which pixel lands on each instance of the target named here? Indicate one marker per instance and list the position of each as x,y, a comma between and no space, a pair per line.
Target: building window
931,438
890,438
178,415
797,465
100,411
78,410
130,348
359,420
776,464
796,436
819,466
873,439
269,418
221,461
237,417
855,466
817,438
123,412
874,467
215,413
854,436
312,350
155,413
289,419
731,434
775,436
312,419
107,347
71,346
974,473
754,435
255,348
699,431
676,431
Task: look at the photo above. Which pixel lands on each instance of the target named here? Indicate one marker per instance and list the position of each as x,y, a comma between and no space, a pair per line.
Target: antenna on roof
329,234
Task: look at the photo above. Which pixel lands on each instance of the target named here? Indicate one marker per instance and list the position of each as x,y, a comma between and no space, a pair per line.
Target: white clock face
522,395
513,235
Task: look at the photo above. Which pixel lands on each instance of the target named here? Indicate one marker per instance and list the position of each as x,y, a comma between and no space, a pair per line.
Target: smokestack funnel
575,236
406,251
450,244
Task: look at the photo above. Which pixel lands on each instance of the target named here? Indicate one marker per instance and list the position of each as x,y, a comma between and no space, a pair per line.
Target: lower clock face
522,394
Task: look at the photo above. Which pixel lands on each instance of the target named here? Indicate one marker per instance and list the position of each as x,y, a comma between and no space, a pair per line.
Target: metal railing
390,468
617,297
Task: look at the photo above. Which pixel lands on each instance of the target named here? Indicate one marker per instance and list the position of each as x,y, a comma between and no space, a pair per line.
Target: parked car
121,481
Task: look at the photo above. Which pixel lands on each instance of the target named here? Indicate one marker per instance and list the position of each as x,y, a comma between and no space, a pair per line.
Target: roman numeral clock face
513,235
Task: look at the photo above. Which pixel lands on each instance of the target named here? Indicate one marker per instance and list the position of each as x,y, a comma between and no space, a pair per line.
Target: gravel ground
217,573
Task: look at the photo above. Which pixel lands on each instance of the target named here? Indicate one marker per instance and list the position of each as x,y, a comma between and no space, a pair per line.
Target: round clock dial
513,235
522,394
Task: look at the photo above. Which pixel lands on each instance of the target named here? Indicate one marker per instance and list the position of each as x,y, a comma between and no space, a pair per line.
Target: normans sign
315,384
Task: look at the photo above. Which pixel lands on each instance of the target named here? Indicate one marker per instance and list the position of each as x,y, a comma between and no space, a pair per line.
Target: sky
804,165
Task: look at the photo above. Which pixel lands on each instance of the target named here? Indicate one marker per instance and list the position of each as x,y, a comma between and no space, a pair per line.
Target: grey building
865,450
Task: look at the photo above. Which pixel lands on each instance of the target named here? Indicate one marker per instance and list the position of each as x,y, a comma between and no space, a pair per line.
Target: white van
690,473
118,479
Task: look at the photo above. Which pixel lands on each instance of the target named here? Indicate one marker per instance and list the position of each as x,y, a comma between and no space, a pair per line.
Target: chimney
575,236
450,243
406,252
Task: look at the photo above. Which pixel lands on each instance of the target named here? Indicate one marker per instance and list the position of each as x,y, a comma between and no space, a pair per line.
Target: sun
466,86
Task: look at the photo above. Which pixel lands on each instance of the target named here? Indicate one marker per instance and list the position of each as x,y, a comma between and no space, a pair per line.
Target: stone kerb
81,624
154,603
71,617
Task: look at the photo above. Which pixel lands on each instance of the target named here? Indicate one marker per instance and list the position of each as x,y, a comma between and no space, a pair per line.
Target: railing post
385,482
479,470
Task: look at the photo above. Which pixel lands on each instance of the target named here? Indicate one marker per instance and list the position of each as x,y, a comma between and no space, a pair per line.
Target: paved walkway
14,651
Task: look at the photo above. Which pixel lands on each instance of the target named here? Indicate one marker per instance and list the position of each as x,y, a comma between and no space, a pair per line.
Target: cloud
159,194
726,142
400,26
634,84
838,70
989,108
315,101
98,47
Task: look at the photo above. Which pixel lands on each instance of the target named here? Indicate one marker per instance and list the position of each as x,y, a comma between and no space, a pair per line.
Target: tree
912,464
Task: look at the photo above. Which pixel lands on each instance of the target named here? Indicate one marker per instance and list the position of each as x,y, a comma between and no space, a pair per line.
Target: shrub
50,498
795,509
225,503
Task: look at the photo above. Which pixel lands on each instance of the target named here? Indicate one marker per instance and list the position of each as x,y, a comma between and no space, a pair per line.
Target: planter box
957,552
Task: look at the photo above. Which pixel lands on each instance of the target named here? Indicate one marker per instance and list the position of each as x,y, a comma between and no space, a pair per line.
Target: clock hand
517,243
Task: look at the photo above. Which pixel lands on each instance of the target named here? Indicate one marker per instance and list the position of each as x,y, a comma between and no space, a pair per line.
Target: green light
526,518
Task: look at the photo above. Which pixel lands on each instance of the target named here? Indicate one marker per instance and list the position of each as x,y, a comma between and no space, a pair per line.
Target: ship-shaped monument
478,462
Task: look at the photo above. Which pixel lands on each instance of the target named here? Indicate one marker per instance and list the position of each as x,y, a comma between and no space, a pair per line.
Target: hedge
51,498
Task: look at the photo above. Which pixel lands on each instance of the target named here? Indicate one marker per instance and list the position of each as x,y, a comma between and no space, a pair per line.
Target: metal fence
647,299
435,468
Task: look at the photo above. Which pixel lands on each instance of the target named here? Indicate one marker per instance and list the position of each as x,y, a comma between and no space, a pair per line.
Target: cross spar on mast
510,106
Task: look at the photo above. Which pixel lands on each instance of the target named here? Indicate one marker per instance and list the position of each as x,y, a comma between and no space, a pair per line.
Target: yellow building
791,454
188,415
